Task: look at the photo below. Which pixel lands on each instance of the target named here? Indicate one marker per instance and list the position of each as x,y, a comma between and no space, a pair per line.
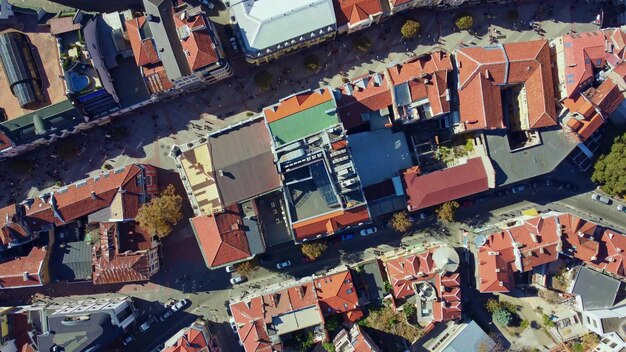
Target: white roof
266,23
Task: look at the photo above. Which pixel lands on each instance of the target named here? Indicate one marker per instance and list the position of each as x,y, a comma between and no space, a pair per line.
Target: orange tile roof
12,271
483,70
297,103
221,237
336,293
496,262
583,52
448,307
12,228
199,44
440,186
403,272
577,238
590,126
611,256
369,93
537,240
144,49
192,341
607,97
329,223
355,11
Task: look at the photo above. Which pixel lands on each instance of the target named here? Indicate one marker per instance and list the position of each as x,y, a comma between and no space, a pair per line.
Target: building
354,339
455,336
602,302
195,338
228,177
176,51
14,231
321,187
263,320
268,29
27,271
354,15
429,280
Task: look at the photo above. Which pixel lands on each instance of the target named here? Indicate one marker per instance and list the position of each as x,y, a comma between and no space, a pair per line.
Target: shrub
502,317
332,323
409,310
464,22
492,305
329,346
524,324
314,250
469,145
400,221
362,44
388,287
547,322
312,62
245,268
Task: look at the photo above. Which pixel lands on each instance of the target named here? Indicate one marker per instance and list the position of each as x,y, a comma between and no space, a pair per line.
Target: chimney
220,173
25,276
610,235
594,258
93,195
300,290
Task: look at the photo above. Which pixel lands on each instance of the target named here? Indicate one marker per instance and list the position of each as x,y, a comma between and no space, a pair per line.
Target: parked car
265,258
237,280
282,265
621,208
347,236
230,268
128,339
148,324
168,313
233,325
368,231
233,44
180,305
518,189
601,199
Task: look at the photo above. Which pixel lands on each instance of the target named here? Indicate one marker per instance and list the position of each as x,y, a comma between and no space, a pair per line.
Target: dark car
347,236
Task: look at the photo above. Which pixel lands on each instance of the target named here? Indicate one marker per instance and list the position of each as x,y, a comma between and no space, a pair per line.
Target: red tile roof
297,103
329,223
440,186
193,340
607,97
144,49
405,271
249,317
495,264
12,228
221,237
5,141
12,271
585,52
365,94
113,264
63,25
357,338
336,293
76,200
199,45
448,307
355,11
611,256
578,238
537,240
483,70
590,126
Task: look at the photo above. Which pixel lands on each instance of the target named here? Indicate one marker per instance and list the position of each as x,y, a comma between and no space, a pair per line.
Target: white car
148,324
237,280
128,339
233,326
601,199
621,208
368,231
282,265
180,305
230,268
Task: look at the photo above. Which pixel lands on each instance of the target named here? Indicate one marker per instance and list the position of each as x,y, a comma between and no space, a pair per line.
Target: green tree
312,62
492,305
502,317
609,169
304,340
332,323
329,346
524,324
547,322
162,213
400,221
464,22
362,43
263,79
388,287
245,268
469,145
447,211
314,250
410,29
409,310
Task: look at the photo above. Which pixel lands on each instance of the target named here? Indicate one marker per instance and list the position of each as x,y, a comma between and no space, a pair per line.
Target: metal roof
596,290
264,24
20,68
71,261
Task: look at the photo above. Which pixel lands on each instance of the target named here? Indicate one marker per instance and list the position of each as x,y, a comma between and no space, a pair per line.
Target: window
80,184
349,291
613,345
148,180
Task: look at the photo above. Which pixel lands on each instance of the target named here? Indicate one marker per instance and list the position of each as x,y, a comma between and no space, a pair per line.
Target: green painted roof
304,123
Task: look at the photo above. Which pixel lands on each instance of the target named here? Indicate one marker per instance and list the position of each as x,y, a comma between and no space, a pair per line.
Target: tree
388,287
409,310
362,43
464,22
245,268
609,169
589,341
502,317
446,210
400,221
492,305
524,324
329,346
410,29
314,250
312,62
263,79
547,322
162,213
332,323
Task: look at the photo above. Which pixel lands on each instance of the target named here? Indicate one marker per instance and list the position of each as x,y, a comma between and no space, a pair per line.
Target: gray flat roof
372,274
297,320
93,334
72,261
535,161
596,290
471,338
371,150
244,155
